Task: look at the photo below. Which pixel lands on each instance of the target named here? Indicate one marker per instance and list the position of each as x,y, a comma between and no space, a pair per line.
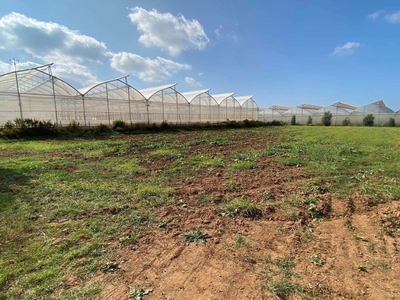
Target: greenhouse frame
36,94
342,113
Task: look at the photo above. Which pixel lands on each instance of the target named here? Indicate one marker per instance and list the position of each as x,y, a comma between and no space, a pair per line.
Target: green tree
369,120
327,119
293,120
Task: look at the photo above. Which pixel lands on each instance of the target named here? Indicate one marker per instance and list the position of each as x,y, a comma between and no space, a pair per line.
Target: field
276,212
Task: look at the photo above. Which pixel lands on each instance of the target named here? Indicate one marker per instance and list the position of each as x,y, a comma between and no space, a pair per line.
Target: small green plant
240,241
138,293
361,268
360,238
326,120
385,267
348,225
392,122
369,120
195,236
316,260
240,207
111,266
283,288
309,120
130,238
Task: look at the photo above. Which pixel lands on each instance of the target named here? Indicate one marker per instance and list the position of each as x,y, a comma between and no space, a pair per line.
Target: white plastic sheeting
35,93
340,112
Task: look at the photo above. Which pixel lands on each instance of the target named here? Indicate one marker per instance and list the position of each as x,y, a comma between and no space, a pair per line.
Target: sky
285,52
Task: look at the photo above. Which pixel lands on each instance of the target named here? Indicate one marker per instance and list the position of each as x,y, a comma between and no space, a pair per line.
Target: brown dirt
361,259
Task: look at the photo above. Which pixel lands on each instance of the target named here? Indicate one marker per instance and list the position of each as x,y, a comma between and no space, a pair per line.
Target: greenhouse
378,109
37,94
342,113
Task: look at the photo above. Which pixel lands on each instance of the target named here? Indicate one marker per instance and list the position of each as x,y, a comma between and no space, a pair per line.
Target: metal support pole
14,62
108,106
54,94
129,100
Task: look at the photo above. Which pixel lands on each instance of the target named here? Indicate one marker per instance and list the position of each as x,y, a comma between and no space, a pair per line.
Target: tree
309,121
369,120
346,122
327,118
293,120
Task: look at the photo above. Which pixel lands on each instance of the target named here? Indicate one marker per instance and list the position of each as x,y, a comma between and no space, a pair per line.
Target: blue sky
285,52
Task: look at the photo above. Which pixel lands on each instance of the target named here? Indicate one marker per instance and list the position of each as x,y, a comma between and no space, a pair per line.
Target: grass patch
240,207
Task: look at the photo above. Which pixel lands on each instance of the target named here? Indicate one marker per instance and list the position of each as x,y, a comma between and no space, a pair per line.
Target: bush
102,128
119,125
369,120
346,122
392,122
327,119
309,121
293,120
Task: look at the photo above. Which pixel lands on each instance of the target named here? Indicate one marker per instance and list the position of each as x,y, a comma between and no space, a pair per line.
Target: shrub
102,128
392,122
369,120
309,121
118,124
327,119
346,122
293,120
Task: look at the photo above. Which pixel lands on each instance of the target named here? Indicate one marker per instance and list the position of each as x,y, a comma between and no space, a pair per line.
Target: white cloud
201,74
146,69
9,67
192,82
173,34
376,14
52,42
46,40
218,30
346,49
393,18
221,34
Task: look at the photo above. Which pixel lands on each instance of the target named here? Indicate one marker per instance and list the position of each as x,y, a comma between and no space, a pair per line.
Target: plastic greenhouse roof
221,97
148,93
36,81
243,99
376,107
190,96
344,105
269,112
310,106
334,110
297,110
280,108
85,90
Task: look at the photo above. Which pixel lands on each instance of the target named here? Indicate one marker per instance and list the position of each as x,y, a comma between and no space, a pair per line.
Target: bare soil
358,245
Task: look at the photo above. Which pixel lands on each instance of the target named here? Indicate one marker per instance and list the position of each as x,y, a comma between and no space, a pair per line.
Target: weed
111,266
385,267
348,225
240,241
195,237
316,260
163,224
130,238
283,288
240,207
138,293
359,237
361,268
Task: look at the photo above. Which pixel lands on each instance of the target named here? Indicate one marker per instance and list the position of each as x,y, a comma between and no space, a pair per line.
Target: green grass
65,203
